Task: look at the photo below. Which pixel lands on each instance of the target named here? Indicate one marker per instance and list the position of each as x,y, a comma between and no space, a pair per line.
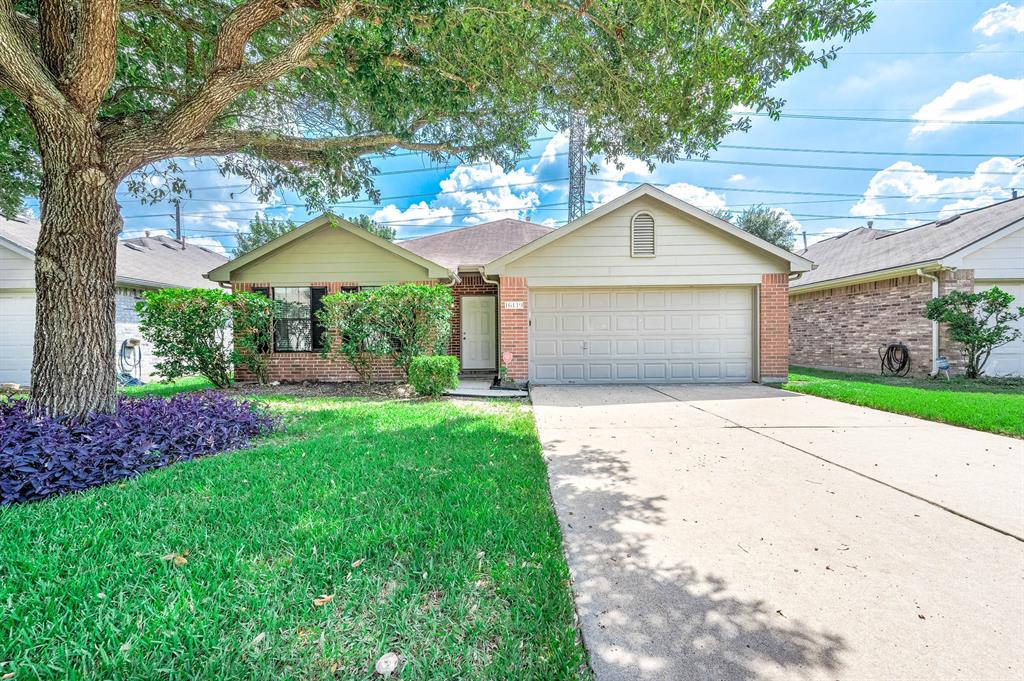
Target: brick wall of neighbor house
773,320
843,327
126,326
470,285
514,327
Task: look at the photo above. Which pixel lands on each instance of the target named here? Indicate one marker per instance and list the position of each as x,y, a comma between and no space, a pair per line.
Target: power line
870,119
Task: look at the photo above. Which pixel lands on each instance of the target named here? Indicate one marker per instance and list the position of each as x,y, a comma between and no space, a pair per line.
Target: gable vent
641,236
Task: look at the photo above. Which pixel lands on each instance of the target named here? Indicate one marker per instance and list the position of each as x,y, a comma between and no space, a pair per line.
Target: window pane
292,330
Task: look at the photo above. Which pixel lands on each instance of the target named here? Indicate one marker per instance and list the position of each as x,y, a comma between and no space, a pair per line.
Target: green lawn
426,524
993,405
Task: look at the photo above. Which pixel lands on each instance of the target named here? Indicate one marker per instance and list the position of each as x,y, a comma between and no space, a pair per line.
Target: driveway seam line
851,470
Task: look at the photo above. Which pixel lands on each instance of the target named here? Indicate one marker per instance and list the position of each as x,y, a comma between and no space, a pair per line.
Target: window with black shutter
315,305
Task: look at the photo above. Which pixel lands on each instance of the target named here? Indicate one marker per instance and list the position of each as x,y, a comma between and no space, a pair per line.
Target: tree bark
75,266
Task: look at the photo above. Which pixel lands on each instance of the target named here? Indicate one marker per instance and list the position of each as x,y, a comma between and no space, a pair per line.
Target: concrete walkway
741,532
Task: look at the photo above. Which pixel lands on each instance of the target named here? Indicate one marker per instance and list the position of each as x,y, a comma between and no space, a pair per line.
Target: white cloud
418,213
471,194
738,177
698,196
625,165
919,187
1003,18
556,145
986,97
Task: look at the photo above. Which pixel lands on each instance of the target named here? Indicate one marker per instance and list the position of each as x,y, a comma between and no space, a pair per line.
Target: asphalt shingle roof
476,245
865,250
157,261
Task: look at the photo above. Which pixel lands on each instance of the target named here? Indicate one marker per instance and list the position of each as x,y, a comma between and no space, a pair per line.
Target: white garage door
641,335
1007,360
17,327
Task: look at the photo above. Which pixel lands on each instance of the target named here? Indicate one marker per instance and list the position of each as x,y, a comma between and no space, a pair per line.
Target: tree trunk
73,361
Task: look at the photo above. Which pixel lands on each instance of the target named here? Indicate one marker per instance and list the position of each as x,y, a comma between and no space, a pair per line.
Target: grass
992,405
427,524
182,385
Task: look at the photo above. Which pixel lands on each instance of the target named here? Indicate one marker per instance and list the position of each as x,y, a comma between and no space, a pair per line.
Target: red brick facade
470,285
514,327
773,327
843,327
513,333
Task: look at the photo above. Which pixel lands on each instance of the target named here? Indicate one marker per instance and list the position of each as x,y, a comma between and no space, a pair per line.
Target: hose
895,359
130,361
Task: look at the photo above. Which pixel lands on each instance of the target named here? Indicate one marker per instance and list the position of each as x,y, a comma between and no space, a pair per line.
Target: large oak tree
297,94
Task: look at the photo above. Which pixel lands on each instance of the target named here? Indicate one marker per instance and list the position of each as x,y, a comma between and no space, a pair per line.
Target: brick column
773,317
514,326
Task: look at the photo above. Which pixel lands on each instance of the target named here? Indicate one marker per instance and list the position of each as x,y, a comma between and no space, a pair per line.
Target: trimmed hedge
42,456
433,374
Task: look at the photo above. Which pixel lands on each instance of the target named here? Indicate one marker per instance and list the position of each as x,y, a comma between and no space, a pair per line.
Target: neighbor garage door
641,335
18,315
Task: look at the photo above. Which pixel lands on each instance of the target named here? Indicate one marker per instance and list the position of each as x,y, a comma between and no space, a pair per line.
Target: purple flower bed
42,456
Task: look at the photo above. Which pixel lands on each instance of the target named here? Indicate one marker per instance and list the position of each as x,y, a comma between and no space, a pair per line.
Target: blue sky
923,59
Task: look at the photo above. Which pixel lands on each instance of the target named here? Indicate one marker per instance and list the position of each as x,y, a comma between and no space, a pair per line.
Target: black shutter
316,328
265,290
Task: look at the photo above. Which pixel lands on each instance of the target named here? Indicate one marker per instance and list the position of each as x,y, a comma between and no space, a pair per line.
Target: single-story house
646,288
870,288
143,263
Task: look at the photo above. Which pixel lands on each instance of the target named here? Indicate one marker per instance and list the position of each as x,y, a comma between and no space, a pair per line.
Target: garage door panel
18,310
641,335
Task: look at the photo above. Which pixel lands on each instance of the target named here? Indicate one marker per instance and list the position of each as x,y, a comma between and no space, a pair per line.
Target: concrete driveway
742,532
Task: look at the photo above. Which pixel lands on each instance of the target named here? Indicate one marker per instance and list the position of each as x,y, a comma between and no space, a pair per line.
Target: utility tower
577,166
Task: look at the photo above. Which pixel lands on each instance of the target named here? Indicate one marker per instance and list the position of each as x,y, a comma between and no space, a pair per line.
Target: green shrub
190,332
253,332
979,322
402,321
433,374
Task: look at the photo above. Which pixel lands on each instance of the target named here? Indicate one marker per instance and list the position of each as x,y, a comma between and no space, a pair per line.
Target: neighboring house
143,263
870,288
645,288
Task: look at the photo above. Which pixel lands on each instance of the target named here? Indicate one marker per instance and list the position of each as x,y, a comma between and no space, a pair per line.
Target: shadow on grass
645,617
1010,385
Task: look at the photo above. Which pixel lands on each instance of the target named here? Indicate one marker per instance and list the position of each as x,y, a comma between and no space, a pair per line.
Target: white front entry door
641,335
479,332
1007,360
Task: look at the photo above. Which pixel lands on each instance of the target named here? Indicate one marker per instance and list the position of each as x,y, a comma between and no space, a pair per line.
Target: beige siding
687,252
329,254
16,271
1002,259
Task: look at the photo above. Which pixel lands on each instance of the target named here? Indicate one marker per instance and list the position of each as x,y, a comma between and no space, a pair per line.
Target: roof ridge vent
135,247
946,221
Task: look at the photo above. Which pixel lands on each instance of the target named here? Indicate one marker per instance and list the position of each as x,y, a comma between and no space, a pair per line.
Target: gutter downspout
484,277
935,324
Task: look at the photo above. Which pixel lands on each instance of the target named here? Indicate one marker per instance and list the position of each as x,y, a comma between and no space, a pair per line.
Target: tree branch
22,71
186,24
287,149
191,119
56,31
90,65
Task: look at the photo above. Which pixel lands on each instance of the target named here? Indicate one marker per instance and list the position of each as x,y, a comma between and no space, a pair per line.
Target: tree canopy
767,223
297,93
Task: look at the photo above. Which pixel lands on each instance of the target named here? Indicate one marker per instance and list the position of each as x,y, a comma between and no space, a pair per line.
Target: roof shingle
156,261
866,250
476,245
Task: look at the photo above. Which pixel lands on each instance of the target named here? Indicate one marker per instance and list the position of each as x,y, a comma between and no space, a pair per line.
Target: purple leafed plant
41,456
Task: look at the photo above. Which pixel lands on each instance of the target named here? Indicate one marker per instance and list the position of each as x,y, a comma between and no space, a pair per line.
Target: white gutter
935,324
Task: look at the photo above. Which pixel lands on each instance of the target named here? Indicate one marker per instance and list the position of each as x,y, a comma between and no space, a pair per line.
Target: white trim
17,248
796,262
223,273
864,278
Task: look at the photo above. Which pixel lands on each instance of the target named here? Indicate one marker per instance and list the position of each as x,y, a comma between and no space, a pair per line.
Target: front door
479,337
